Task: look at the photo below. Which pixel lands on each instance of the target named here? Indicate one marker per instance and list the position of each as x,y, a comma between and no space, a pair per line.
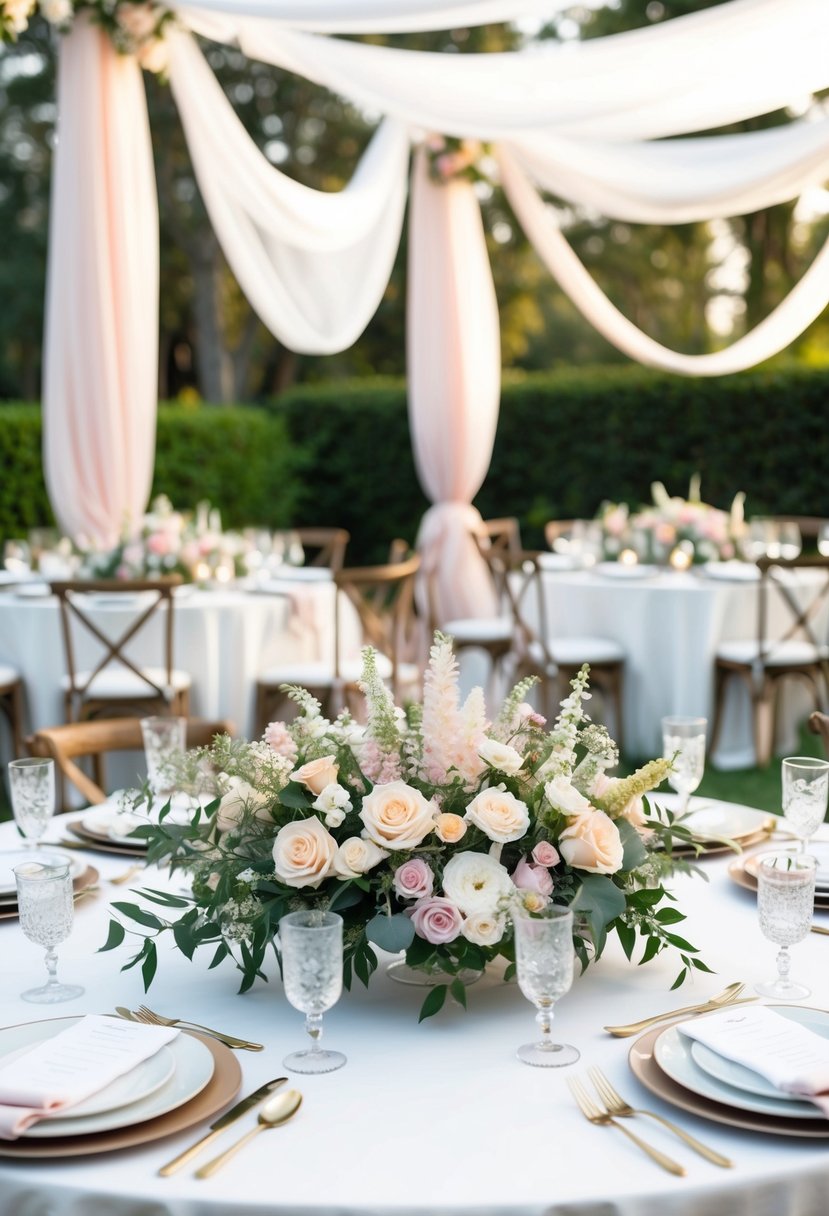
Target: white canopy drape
591,122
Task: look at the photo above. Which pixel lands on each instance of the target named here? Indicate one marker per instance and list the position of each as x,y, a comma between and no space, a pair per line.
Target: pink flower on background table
436,920
414,879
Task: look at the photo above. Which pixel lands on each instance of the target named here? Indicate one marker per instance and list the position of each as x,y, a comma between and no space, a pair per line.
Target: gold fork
143,1014
728,997
616,1105
127,875
597,1114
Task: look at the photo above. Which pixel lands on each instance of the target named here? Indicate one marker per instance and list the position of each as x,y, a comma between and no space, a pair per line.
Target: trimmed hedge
341,453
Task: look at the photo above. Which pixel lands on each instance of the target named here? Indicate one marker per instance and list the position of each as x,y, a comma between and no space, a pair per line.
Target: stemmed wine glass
164,742
311,948
46,909
805,782
17,556
32,784
785,902
544,957
684,740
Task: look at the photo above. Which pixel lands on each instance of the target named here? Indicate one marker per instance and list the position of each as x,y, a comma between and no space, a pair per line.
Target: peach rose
241,797
303,853
356,856
592,842
450,828
316,774
634,812
396,816
500,815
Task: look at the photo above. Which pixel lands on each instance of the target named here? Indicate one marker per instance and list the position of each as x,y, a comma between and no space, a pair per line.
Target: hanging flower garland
452,158
136,27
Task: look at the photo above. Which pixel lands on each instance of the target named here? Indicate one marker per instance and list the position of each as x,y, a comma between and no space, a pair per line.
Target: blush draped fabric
101,349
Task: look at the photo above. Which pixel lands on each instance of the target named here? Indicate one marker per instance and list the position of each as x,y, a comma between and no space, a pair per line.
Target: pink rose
527,714
545,855
159,544
413,880
437,920
532,878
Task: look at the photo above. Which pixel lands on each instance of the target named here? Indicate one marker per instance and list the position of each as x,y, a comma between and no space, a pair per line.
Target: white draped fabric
454,359
381,16
101,373
314,266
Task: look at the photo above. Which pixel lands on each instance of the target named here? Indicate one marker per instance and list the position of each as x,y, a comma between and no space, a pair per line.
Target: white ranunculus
484,928
499,814
565,797
357,856
501,756
334,801
303,853
476,883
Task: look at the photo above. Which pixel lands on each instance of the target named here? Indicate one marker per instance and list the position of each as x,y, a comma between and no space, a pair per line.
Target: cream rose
357,856
476,882
450,828
565,797
500,815
484,929
592,843
501,756
396,816
303,853
241,798
316,774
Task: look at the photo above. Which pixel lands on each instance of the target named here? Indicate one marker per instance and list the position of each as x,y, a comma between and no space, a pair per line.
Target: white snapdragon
333,802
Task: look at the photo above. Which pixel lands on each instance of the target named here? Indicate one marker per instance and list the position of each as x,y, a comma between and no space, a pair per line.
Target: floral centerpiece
423,829
687,525
135,27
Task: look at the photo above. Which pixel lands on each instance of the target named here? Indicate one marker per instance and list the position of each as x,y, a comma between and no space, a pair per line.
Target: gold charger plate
738,874
105,844
221,1089
82,883
644,1067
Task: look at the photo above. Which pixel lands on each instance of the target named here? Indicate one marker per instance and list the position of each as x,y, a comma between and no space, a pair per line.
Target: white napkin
62,1071
793,1058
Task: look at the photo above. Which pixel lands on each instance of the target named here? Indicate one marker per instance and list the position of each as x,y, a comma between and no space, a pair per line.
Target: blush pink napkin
58,1073
791,1056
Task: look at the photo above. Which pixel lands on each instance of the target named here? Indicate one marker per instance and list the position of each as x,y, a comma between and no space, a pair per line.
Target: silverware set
149,1018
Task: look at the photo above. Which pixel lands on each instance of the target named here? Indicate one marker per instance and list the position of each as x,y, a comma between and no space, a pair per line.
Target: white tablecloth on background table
669,626
438,1119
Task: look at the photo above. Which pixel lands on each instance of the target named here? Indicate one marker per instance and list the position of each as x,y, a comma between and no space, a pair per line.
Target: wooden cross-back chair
328,545
117,685
519,580
797,650
68,743
819,725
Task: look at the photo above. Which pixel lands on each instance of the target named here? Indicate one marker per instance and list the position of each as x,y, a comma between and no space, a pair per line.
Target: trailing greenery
341,454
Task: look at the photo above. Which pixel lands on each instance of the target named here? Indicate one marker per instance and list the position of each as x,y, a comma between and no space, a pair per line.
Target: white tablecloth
223,639
669,627
437,1119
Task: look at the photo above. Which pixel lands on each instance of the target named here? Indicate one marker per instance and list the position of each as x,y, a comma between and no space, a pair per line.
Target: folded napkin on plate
792,1057
60,1072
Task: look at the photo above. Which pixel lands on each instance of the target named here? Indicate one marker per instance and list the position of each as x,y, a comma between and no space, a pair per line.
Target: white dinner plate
43,856
300,574
557,561
192,1069
729,819
736,1075
731,572
621,570
672,1052
32,590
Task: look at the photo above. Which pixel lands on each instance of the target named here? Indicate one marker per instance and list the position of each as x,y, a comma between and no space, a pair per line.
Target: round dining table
436,1119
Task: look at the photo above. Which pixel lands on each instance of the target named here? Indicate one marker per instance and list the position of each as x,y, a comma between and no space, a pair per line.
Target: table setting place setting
557,856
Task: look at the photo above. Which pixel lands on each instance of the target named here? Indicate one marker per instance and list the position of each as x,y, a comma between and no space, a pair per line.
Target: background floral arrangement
451,157
136,28
704,532
425,830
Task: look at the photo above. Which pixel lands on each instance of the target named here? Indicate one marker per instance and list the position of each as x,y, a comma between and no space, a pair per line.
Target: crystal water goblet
791,542
311,949
823,540
684,740
46,909
544,958
32,786
805,782
785,903
17,556
164,742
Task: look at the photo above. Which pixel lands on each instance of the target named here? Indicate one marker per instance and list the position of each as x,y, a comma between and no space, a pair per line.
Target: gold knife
221,1123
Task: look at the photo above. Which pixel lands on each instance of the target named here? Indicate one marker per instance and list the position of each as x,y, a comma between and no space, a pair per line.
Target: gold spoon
727,997
277,1110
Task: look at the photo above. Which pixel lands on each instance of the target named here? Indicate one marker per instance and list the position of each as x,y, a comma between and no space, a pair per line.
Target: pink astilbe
279,738
380,767
473,726
451,736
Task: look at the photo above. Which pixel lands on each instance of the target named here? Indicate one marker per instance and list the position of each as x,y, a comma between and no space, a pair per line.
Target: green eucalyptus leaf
117,933
391,933
635,852
434,1002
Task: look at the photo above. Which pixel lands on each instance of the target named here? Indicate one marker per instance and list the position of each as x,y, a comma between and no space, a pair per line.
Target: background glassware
294,552
686,737
785,903
823,540
32,786
760,539
17,556
791,542
164,742
311,948
544,957
805,782
46,908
